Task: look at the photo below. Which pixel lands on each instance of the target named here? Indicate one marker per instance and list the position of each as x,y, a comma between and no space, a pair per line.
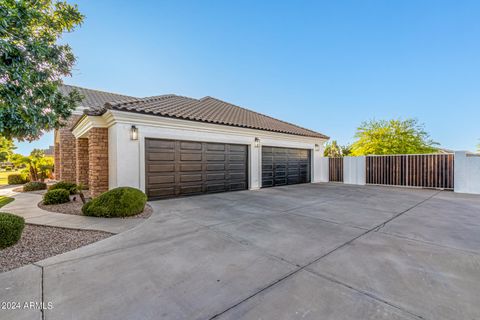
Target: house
49,152
170,146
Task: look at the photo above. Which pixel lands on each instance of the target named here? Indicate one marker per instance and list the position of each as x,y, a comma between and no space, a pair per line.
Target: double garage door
181,168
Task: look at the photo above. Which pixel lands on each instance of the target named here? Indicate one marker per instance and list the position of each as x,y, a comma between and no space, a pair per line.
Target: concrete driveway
314,251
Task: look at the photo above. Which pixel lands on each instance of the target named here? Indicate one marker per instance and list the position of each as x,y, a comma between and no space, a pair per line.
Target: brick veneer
82,161
98,160
67,155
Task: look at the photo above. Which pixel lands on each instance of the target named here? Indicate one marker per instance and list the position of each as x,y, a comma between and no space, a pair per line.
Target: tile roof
206,109
94,98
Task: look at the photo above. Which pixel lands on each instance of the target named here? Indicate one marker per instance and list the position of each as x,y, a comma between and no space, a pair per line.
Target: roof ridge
259,113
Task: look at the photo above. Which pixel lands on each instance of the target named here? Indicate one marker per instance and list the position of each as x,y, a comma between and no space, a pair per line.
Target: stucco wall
127,157
354,171
467,172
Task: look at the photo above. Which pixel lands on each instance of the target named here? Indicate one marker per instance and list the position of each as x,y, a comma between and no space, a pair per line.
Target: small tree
32,66
6,149
39,167
392,137
334,150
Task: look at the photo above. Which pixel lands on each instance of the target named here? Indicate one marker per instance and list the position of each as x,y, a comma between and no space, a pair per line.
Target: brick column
81,149
67,152
57,162
98,160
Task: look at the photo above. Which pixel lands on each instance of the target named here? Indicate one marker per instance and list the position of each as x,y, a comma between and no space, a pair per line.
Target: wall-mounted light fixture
317,147
257,143
134,133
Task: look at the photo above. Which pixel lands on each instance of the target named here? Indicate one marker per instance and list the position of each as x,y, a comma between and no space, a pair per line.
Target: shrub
69,186
56,196
35,185
17,178
118,202
11,227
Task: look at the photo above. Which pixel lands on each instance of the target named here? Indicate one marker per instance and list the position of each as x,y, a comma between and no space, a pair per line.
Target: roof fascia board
114,116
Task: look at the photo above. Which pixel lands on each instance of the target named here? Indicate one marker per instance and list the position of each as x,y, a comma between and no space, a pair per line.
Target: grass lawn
5,200
4,177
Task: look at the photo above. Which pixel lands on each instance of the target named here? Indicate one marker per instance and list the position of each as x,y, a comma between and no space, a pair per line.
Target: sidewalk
25,205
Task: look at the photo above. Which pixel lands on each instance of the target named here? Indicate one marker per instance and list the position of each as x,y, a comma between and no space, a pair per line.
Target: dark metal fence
425,170
335,169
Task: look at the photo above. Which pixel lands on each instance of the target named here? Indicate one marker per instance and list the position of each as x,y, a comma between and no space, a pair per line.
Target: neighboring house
49,152
171,146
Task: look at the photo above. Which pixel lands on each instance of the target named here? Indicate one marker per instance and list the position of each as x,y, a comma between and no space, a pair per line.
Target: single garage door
283,166
182,168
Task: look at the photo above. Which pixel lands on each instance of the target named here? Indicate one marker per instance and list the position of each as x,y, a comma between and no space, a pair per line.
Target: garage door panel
160,144
190,177
284,166
238,176
182,168
216,167
161,179
238,148
191,189
187,167
215,176
162,156
237,166
216,157
191,157
161,167
190,146
216,188
215,147
162,192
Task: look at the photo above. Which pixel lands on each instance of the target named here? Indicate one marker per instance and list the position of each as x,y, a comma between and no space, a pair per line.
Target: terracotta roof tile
206,109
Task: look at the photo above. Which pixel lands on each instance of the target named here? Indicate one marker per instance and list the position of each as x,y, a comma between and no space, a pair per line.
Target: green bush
17,178
69,186
118,202
35,185
56,196
11,227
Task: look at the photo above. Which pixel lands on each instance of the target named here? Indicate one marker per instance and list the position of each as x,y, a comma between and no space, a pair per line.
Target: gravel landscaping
40,242
75,207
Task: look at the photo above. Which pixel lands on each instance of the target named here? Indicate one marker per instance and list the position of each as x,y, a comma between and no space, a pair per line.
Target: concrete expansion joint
42,295
123,248
376,228
362,292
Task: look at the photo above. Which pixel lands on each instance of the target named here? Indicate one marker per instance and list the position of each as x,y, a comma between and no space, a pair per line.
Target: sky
324,65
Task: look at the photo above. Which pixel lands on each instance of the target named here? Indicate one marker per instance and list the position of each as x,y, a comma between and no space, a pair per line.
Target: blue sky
324,65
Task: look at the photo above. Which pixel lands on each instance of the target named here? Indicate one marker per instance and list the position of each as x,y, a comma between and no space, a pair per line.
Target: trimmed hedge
56,196
118,202
17,178
34,185
69,186
11,227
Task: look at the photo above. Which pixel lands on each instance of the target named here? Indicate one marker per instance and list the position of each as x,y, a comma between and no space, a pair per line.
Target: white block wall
354,170
467,173
323,164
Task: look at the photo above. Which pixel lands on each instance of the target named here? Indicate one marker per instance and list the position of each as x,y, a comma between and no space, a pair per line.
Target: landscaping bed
75,207
40,242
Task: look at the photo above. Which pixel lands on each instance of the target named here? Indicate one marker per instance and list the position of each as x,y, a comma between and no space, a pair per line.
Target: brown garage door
182,168
283,166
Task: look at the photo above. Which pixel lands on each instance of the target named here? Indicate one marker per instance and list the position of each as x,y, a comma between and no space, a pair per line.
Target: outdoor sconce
134,133
317,147
257,143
